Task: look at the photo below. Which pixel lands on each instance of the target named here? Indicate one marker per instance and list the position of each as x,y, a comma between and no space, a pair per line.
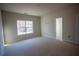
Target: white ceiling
34,8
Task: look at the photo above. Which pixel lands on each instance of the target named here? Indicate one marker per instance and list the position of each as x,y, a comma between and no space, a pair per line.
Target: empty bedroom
39,29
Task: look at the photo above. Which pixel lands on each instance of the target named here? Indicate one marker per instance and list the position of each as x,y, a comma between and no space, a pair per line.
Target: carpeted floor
41,46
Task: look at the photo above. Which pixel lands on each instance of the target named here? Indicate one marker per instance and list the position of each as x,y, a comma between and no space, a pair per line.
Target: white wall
1,36
77,29
49,23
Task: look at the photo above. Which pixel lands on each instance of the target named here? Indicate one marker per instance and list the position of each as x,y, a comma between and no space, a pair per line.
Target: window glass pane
30,26
21,26
29,30
27,23
30,22
20,23
22,29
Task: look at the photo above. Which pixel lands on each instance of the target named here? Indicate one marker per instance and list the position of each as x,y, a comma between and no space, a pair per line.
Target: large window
24,27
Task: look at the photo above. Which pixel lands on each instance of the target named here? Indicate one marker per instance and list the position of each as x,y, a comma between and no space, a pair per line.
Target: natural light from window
24,27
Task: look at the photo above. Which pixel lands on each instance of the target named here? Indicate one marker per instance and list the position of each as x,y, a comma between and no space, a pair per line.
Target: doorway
59,28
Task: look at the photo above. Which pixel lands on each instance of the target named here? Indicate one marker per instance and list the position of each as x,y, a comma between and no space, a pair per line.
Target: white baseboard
71,41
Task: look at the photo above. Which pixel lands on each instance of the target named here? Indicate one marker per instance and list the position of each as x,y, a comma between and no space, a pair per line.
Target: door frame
62,27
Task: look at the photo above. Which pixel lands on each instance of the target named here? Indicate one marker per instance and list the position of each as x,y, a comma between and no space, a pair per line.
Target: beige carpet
41,46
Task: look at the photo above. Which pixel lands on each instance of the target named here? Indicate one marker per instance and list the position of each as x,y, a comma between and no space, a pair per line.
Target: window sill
25,34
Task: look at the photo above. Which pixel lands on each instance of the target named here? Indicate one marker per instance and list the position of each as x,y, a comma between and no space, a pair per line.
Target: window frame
25,33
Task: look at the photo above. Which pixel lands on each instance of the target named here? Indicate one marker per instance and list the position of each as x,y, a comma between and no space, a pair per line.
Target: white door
59,28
